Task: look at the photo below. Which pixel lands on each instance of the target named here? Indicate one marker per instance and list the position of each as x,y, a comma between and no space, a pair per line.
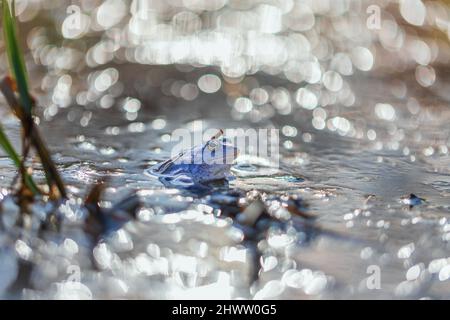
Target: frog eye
212,145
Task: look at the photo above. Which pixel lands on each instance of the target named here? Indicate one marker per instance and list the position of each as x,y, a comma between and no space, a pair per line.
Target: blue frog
198,166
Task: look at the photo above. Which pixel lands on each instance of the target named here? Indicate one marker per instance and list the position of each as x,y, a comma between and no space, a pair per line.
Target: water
352,144
351,185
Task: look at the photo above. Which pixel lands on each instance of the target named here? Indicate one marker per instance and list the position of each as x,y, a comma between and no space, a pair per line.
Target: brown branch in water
31,133
95,194
94,224
24,190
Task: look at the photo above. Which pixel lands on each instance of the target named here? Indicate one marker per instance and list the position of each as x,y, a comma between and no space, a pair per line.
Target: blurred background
312,52
358,89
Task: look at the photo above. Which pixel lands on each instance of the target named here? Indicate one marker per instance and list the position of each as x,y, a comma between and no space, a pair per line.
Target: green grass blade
15,56
12,154
8,148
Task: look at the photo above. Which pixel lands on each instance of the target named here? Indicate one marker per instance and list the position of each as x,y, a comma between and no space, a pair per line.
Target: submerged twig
101,221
